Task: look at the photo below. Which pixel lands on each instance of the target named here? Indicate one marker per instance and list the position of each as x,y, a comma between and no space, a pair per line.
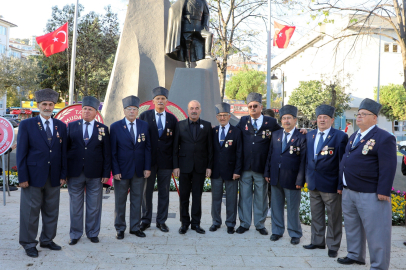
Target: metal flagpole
4,179
379,66
72,69
268,61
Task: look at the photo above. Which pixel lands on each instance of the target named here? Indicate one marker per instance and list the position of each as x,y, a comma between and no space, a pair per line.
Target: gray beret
160,91
325,110
370,105
254,97
222,108
46,95
131,101
91,102
288,109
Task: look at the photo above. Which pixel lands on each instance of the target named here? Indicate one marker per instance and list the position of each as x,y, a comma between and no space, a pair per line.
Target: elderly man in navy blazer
325,149
285,171
227,167
256,133
161,126
89,166
367,171
41,163
131,165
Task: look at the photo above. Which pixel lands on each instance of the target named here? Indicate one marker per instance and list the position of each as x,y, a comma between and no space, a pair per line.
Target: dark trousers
163,178
191,182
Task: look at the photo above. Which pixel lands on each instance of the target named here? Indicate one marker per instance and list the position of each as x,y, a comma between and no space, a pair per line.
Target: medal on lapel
99,137
230,142
297,150
226,144
263,135
57,134
143,137
291,150
139,138
246,127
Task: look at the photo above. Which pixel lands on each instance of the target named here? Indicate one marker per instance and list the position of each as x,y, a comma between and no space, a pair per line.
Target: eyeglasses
222,115
253,106
362,115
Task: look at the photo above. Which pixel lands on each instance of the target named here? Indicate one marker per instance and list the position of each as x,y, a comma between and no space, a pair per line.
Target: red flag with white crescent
282,36
54,42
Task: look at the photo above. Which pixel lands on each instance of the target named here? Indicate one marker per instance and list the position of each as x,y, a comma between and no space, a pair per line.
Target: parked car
402,145
10,116
14,123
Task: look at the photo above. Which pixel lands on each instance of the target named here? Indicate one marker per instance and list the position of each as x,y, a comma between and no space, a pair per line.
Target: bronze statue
188,39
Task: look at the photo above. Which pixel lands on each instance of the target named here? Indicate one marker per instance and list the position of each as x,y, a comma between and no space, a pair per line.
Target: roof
8,23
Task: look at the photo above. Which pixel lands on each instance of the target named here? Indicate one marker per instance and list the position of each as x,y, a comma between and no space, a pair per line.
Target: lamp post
274,77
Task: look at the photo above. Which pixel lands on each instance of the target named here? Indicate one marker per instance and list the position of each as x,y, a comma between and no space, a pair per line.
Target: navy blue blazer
323,174
227,160
287,167
373,171
255,147
95,157
129,158
36,158
161,147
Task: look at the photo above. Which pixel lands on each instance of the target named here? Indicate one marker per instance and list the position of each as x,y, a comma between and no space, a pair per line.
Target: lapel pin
125,127
292,140
313,136
229,131
328,137
266,123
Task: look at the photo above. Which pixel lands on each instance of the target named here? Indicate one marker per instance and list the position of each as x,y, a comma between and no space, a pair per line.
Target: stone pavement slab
212,251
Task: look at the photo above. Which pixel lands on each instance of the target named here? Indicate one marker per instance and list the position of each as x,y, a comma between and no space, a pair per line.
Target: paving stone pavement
214,250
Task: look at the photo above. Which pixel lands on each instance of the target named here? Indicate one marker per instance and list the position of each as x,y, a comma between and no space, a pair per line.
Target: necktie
255,125
132,132
194,128
285,141
356,140
222,136
86,137
160,127
319,144
48,131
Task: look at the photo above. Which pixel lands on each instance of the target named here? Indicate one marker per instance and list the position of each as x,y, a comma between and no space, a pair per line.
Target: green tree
310,94
245,82
393,100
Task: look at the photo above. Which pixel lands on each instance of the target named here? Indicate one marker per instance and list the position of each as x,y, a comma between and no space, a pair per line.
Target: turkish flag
282,36
54,42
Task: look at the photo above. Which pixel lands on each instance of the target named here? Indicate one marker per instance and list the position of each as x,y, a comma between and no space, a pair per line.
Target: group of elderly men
352,178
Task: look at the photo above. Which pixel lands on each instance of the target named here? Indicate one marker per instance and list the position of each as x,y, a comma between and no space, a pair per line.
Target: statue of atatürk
189,39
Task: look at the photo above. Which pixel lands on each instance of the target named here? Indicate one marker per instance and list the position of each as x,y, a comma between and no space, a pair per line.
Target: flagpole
72,68
268,62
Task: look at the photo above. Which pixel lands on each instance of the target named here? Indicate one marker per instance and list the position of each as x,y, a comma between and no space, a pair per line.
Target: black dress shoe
404,243
32,252
241,230
295,240
120,235
198,229
263,231
348,261
138,233
332,253
73,242
144,226
214,228
230,230
51,245
162,227
183,229
94,239
311,246
275,237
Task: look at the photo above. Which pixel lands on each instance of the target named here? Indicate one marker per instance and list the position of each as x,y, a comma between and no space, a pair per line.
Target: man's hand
303,131
24,184
236,176
176,172
339,192
298,187
208,173
268,179
14,146
104,180
147,173
383,198
117,176
62,181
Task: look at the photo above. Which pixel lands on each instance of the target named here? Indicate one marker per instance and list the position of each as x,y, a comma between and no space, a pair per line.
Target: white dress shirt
259,121
316,141
89,129
363,134
163,118
289,135
226,128
134,127
51,122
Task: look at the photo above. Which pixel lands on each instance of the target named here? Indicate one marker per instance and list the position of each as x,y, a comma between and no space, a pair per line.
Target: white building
308,60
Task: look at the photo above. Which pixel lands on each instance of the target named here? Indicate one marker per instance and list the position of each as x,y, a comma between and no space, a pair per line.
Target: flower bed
13,178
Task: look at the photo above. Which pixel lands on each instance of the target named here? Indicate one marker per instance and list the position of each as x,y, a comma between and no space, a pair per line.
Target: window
386,48
396,125
16,54
2,49
395,48
3,30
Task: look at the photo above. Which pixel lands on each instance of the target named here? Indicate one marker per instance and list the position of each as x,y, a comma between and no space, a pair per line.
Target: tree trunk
403,49
393,127
333,95
223,76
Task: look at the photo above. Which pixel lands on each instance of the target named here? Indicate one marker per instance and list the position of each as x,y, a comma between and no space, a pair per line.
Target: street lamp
274,77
